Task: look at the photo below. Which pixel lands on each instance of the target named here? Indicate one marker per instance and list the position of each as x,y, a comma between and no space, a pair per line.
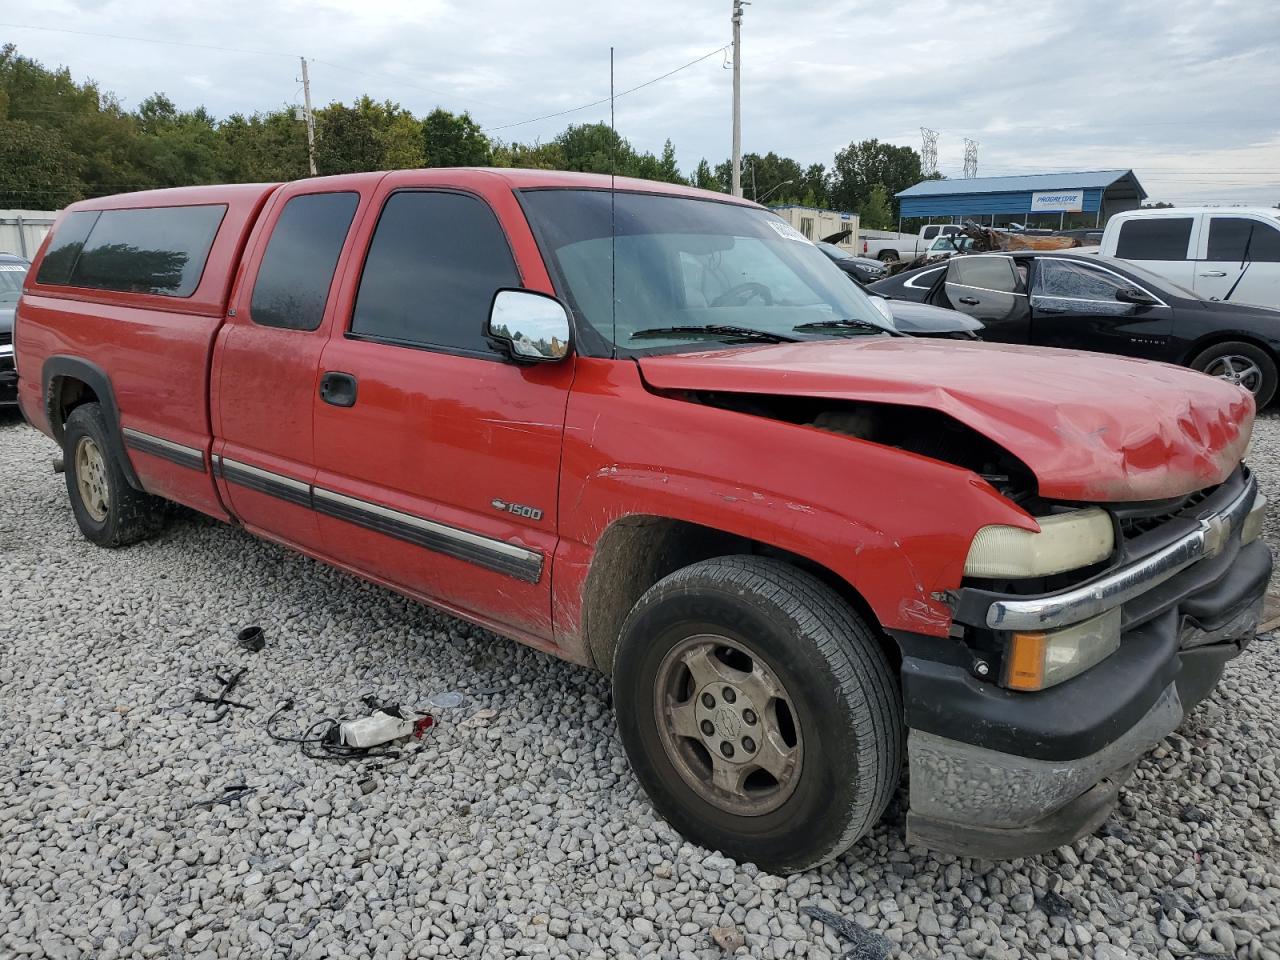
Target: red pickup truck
655,431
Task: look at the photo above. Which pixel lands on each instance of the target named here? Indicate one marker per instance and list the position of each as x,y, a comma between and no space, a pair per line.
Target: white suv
1222,253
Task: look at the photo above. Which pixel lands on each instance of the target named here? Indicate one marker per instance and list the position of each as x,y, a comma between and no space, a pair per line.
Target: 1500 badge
519,509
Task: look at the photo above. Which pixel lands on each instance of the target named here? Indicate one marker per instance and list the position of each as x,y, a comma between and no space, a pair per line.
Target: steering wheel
742,294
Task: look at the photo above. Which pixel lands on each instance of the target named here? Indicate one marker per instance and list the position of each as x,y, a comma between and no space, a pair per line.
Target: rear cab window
152,250
1237,239
1154,238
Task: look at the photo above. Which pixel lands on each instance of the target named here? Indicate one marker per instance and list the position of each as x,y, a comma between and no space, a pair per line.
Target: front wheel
1243,364
759,712
108,510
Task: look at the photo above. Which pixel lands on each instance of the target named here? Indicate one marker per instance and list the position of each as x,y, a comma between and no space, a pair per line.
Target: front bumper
1000,773
8,377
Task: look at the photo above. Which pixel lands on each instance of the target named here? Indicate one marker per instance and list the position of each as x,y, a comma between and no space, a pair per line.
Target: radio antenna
613,220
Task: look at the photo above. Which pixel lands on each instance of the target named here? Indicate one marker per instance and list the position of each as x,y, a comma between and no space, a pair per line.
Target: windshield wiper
848,322
714,330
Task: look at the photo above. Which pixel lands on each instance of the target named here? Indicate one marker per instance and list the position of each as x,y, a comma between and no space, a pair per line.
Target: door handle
338,389
971,301
1214,273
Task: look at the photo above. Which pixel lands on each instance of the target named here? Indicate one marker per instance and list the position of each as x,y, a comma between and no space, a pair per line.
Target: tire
887,256
1227,360
108,510
841,698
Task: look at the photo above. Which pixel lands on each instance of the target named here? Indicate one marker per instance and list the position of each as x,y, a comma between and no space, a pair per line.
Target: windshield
688,264
11,275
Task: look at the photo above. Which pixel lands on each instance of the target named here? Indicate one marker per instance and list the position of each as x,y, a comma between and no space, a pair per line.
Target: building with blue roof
997,200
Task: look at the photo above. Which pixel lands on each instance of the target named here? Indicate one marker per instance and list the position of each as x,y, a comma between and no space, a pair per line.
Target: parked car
689,455
1067,298
887,247
923,320
1088,237
1222,253
862,269
13,270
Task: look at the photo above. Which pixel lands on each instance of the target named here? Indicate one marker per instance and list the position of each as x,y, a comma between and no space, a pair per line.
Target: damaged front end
1021,738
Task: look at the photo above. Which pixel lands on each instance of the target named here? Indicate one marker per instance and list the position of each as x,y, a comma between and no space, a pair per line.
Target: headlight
1034,661
1066,541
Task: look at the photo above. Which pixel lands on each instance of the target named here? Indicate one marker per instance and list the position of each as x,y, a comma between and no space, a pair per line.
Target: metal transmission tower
970,158
928,151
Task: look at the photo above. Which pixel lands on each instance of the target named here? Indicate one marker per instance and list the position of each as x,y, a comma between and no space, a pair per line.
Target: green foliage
860,167
61,141
876,212
454,140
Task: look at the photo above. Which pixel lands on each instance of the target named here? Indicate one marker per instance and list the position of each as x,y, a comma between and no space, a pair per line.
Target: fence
22,231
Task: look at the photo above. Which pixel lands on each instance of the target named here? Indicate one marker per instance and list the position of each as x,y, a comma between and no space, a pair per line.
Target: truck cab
1221,253
654,431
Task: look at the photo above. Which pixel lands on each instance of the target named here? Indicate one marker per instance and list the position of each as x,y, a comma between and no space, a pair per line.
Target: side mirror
883,306
1132,295
531,327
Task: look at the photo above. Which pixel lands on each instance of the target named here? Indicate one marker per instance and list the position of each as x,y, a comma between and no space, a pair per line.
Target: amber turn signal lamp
1025,664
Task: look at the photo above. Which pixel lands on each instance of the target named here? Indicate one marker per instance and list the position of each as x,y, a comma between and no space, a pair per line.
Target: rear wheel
759,712
1243,364
108,510
888,256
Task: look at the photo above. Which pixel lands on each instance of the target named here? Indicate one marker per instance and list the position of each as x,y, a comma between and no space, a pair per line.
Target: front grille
1135,521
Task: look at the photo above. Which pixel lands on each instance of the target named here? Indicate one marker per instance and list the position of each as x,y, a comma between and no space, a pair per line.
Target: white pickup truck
1222,253
885,246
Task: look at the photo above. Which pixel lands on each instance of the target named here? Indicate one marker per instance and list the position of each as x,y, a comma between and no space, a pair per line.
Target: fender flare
77,368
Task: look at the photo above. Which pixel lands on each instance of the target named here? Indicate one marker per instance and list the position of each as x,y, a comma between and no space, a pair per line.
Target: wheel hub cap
1241,371
91,479
727,725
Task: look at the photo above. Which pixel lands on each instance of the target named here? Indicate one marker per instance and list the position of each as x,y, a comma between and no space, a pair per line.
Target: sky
1185,92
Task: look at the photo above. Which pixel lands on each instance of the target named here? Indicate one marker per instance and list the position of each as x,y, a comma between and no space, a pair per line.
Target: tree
704,178
876,212
367,136
37,170
667,169
859,167
454,140
536,156
263,148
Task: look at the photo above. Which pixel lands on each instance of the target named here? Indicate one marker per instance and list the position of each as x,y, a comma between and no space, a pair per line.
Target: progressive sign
1057,201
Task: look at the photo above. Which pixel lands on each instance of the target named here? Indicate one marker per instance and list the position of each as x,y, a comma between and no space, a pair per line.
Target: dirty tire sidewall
1270,377
844,694
131,514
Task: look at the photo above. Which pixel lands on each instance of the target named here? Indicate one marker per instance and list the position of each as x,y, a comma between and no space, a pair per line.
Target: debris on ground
221,704
864,944
728,938
229,793
252,639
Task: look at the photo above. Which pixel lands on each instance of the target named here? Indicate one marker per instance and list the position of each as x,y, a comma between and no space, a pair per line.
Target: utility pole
310,118
736,179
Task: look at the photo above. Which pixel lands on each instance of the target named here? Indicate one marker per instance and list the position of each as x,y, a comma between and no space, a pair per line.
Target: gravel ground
516,828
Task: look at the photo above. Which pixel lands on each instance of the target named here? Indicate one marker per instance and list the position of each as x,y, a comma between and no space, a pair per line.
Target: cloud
1183,91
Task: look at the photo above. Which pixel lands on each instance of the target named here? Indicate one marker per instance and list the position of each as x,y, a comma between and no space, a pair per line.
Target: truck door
990,288
1240,256
438,459
1074,304
267,358
1163,244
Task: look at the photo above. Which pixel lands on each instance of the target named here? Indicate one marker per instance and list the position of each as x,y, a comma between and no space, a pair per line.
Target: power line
596,103
169,43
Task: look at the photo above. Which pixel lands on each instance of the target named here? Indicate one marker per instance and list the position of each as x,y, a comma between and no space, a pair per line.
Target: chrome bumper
1116,587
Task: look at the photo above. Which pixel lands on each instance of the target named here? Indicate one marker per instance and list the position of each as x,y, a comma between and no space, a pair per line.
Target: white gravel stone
519,833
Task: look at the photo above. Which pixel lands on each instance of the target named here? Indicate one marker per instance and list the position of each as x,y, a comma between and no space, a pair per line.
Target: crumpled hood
1090,426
